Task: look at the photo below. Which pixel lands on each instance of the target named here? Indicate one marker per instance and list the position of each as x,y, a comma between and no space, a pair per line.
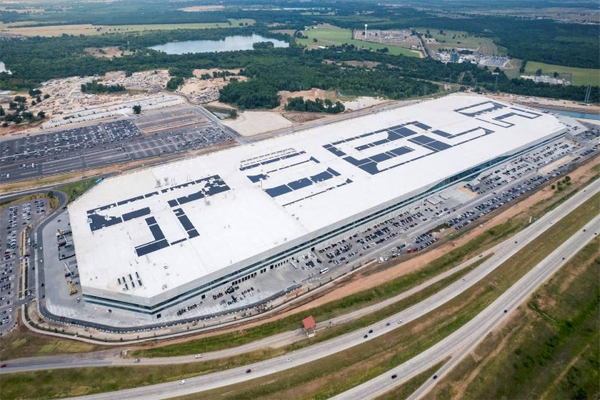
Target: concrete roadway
500,253
459,344
470,333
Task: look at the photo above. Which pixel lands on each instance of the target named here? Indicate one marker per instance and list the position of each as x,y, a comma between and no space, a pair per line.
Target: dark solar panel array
257,178
136,214
370,164
212,185
120,203
302,183
151,247
158,243
99,221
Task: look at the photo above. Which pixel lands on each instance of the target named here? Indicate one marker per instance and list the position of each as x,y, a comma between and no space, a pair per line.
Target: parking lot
14,219
408,230
489,192
99,145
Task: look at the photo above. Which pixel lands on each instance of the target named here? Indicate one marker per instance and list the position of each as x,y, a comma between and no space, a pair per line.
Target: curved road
500,253
462,342
474,331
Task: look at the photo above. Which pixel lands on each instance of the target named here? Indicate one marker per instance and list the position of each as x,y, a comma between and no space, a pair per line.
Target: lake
230,43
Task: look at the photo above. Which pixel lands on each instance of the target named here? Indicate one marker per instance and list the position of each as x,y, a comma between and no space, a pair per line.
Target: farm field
88,29
332,36
449,39
581,76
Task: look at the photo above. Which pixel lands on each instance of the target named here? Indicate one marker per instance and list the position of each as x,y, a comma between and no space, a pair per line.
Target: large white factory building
149,240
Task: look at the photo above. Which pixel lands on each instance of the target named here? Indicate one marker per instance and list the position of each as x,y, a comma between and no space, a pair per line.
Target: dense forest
270,70
38,59
541,40
317,105
96,87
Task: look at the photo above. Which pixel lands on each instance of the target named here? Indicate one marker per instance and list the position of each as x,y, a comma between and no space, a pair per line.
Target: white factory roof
257,197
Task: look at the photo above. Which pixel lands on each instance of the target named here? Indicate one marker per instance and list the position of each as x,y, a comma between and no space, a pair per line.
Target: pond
230,43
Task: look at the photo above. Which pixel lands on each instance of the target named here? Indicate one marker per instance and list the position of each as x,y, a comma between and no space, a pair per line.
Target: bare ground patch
107,52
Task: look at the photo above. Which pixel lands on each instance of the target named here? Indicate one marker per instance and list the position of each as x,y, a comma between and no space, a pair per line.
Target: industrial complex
154,238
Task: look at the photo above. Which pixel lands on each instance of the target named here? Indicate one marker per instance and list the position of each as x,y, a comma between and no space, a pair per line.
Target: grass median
362,299
75,189
342,371
549,348
409,387
68,382
339,307
330,375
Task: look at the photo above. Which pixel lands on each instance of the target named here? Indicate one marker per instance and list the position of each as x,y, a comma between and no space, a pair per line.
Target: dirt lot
301,117
314,93
311,94
362,102
107,52
250,123
206,90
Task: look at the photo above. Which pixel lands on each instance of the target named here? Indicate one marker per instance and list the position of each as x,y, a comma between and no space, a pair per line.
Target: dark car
248,371
435,377
366,336
394,376
3,366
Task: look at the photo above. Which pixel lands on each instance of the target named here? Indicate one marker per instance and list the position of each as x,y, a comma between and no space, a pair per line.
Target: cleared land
88,29
581,76
23,343
443,39
332,36
250,123
549,348
107,52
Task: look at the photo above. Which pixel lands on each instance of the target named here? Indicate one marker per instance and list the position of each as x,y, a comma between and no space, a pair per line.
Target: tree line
96,87
270,70
317,105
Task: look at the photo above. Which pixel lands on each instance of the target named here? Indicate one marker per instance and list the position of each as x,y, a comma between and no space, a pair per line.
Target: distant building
454,57
309,326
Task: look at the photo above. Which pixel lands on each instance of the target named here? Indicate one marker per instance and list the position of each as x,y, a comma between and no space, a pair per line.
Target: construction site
402,38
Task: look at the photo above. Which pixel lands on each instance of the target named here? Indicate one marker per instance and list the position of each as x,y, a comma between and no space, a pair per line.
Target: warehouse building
151,239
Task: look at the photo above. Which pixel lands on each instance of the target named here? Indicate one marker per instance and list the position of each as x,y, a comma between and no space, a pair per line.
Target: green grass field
331,375
549,349
337,36
88,29
453,39
581,76
76,189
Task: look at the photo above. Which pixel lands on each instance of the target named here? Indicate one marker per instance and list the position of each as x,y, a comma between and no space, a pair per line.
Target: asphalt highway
500,253
462,342
471,333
